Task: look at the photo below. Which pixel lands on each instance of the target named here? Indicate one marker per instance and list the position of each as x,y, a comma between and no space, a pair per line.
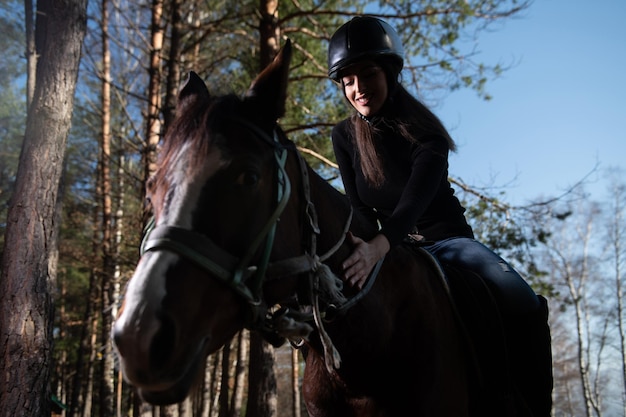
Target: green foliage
220,41
510,233
315,103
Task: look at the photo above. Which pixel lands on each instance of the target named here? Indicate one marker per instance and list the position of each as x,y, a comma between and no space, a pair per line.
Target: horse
245,234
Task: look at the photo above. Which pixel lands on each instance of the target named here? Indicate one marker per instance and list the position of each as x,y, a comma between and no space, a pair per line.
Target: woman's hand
364,256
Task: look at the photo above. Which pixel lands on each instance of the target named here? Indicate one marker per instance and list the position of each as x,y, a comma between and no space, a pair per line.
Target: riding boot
531,359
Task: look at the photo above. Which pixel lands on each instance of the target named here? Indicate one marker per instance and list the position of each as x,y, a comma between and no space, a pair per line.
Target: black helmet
362,38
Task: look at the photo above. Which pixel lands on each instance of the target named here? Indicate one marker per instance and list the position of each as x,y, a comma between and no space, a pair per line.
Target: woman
393,158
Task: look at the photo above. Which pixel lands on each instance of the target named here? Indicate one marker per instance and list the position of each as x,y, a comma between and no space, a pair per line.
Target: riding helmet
363,37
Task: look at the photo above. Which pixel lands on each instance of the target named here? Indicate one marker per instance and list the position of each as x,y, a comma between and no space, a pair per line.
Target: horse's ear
193,91
269,88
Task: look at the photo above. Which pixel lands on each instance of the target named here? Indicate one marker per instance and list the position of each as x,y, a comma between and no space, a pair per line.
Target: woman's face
365,87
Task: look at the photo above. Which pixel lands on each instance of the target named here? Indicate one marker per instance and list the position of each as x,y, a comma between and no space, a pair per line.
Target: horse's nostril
163,342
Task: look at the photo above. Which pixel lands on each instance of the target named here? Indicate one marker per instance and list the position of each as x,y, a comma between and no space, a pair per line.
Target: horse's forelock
192,132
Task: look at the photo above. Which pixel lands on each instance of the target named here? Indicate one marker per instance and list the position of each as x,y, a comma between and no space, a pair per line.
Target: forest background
135,55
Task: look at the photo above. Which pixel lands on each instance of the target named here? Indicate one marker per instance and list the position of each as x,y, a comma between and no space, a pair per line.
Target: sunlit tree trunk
143,409
153,121
204,395
27,271
195,26
216,384
173,63
168,410
185,408
572,262
107,385
31,51
295,382
117,275
153,126
240,373
617,233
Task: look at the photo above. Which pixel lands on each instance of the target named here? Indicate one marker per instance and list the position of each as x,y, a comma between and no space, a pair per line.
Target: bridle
247,280
237,272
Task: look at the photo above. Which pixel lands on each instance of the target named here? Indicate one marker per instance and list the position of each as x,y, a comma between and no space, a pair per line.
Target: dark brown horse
247,235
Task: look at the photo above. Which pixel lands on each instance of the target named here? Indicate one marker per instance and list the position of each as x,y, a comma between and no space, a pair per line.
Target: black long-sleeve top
416,195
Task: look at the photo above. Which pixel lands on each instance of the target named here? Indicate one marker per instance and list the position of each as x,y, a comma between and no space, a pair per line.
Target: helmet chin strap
369,120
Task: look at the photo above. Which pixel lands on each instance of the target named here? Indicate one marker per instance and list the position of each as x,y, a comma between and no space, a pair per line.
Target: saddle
482,328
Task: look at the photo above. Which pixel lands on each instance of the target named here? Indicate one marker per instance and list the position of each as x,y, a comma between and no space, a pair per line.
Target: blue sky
559,111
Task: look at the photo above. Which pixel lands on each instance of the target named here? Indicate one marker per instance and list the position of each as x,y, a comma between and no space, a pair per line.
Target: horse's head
216,196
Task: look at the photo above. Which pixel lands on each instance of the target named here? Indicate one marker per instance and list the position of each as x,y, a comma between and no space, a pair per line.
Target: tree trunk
91,368
143,409
262,374
185,408
173,64
204,406
117,276
80,372
153,127
168,410
225,391
269,32
31,52
107,385
215,386
295,382
26,306
616,241
62,365
240,374
85,374
262,397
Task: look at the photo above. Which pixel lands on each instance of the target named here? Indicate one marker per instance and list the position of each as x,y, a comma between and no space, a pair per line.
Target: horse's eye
248,178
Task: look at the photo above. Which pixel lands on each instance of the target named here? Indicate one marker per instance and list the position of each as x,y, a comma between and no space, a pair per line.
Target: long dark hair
404,114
